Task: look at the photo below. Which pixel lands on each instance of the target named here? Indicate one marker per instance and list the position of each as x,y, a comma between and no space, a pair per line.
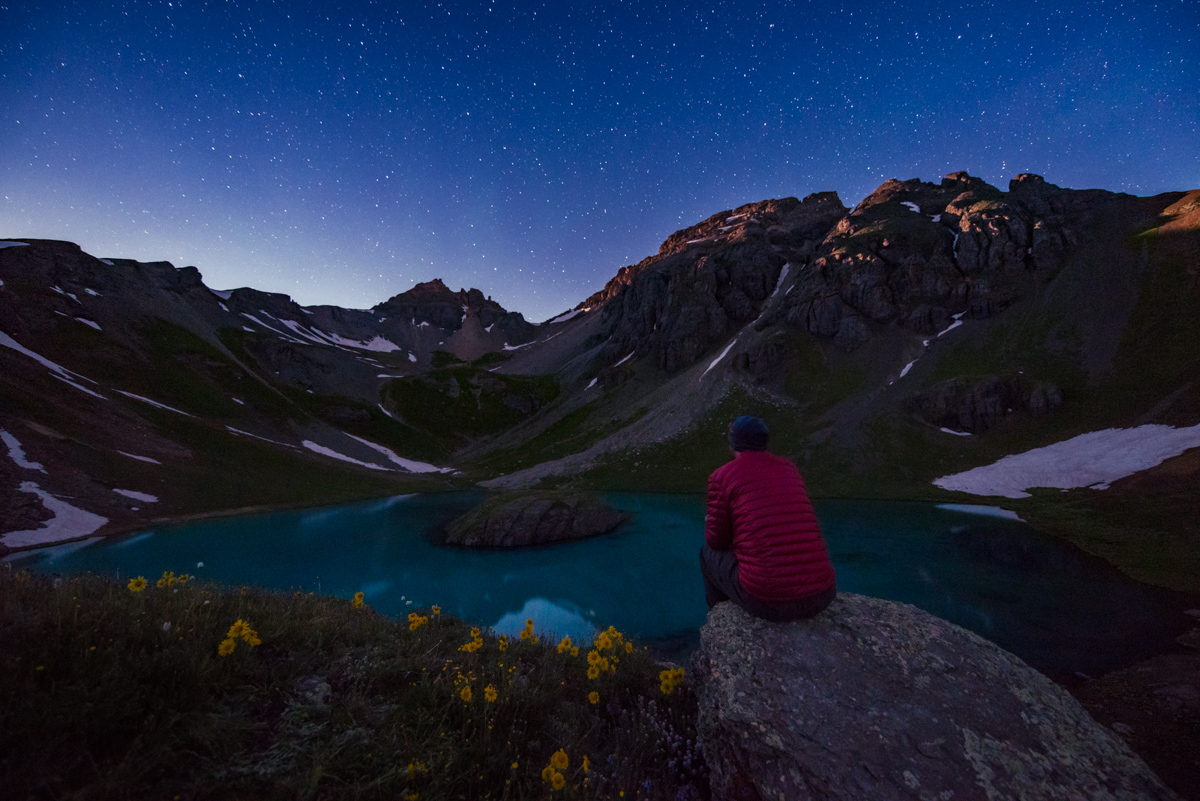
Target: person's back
763,549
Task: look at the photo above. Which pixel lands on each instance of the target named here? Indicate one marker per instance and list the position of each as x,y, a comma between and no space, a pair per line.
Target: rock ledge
876,699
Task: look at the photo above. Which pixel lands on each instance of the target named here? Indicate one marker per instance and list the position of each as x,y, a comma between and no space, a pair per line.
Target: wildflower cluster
239,630
565,647
670,680
527,632
169,579
476,641
415,621
552,773
358,600
608,640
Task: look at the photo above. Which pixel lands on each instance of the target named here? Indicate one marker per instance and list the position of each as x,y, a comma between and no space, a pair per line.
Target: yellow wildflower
415,621
226,647
565,645
557,781
603,642
593,672
513,766
594,657
503,644
574,650
489,693
585,764
629,648
358,600
437,610
559,760
465,693
237,629
547,772
593,698
137,584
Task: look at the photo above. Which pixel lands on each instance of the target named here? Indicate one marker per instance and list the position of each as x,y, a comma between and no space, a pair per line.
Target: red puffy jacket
758,507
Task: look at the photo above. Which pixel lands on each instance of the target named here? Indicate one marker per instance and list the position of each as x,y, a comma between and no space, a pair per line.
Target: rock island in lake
513,520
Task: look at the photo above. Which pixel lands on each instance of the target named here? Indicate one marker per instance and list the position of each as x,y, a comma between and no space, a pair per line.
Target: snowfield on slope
1091,460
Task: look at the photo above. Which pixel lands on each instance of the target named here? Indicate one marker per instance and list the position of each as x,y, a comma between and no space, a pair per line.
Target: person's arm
718,524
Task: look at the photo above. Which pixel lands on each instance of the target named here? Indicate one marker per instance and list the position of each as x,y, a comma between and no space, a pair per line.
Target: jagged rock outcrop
533,518
977,406
877,699
914,253
708,280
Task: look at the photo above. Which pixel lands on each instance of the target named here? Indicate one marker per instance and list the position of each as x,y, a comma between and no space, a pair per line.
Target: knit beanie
748,434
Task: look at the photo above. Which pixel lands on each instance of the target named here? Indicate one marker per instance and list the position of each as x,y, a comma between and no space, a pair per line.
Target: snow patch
562,318
137,496
238,401
247,328
64,292
985,511
59,370
722,356
911,205
239,432
223,294
92,323
13,245
408,464
154,403
107,261
92,292
513,347
377,344
907,367
139,458
385,411
69,522
590,385
627,358
936,218
951,327
330,452
1098,457
411,357
955,433
17,454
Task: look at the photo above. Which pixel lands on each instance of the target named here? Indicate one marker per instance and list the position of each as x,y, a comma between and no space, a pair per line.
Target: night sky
343,152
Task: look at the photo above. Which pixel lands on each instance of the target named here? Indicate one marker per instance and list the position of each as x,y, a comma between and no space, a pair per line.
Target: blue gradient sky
342,152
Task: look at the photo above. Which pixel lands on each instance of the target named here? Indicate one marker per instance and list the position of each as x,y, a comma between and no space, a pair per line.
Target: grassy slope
99,698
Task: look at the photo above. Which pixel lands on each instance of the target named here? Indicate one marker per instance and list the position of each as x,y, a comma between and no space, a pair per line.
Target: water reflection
1057,608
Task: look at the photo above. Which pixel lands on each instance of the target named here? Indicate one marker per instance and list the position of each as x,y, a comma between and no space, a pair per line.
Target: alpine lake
1060,610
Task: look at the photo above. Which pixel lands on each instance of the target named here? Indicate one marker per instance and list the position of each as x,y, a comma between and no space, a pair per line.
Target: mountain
933,328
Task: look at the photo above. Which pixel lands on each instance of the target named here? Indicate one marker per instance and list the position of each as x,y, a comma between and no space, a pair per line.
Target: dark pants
720,572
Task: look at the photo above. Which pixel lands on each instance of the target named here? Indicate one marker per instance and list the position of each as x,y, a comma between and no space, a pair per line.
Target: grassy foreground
189,690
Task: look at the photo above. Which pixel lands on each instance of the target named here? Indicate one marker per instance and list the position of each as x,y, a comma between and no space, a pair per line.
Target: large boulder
876,699
532,518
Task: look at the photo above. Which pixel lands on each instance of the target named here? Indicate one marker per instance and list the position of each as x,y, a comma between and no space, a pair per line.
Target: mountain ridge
1008,319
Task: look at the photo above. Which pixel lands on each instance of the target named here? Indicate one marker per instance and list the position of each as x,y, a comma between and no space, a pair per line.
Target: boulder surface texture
532,518
880,700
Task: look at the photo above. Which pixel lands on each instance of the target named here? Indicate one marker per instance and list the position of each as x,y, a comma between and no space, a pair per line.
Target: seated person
763,549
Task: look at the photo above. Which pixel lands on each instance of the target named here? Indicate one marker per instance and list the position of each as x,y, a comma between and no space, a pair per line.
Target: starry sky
341,152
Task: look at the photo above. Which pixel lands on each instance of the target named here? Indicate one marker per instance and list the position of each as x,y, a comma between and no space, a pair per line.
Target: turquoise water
1045,601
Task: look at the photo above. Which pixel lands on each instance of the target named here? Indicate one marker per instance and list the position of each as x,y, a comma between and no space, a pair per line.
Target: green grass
459,403
100,698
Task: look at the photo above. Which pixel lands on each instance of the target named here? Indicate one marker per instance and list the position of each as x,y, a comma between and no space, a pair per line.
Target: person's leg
794,610
719,571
